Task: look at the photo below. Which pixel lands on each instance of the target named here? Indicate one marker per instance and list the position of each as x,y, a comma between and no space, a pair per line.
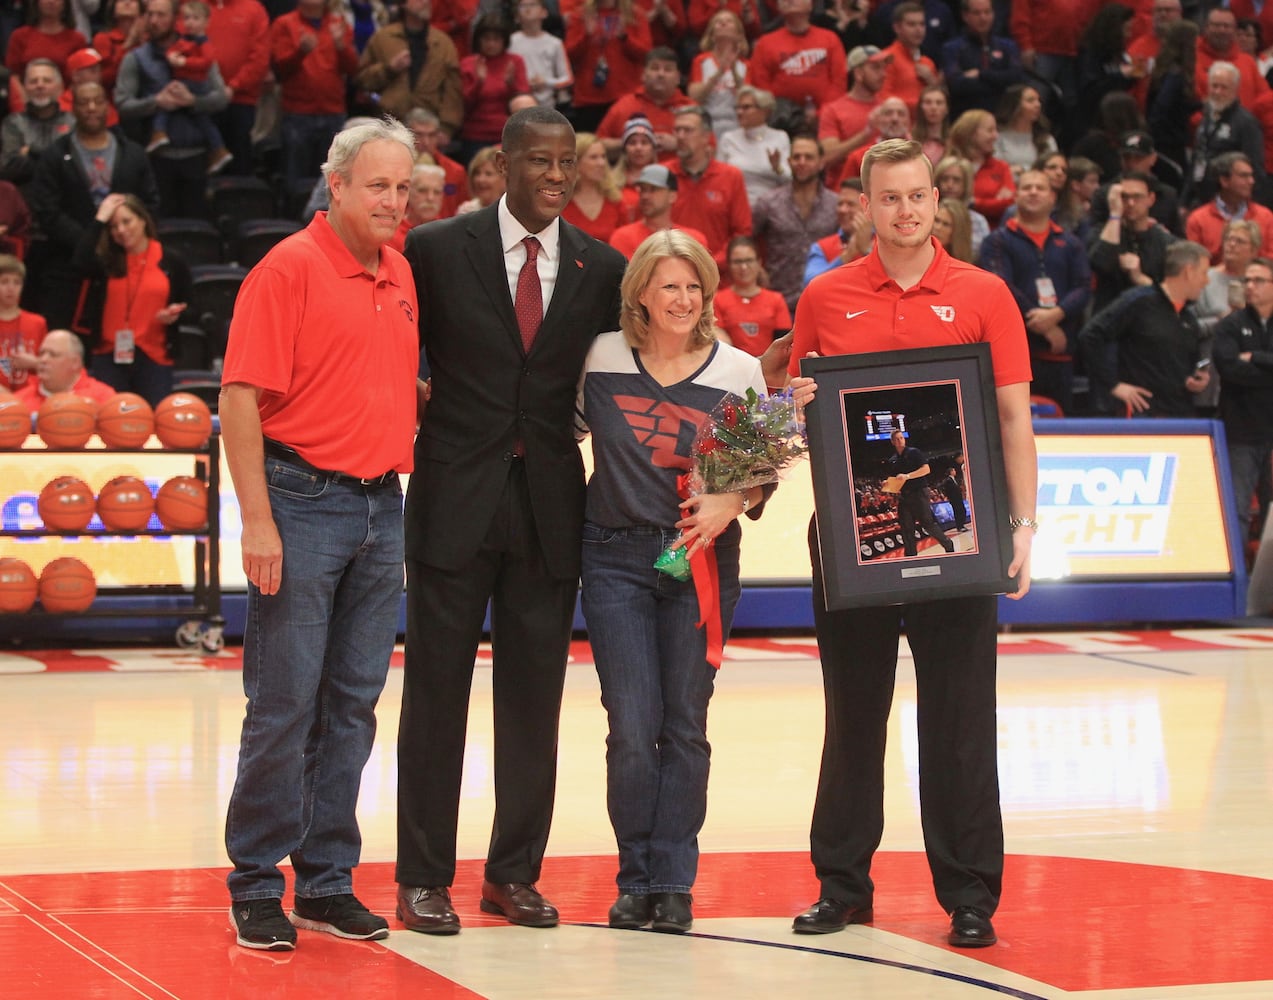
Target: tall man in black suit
495,513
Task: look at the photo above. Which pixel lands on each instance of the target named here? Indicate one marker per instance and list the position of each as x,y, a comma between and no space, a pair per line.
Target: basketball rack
199,607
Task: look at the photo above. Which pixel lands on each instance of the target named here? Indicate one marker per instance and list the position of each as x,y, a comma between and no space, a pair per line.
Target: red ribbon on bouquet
706,578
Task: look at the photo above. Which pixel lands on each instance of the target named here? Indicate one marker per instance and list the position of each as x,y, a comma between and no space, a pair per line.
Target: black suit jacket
60,199
488,394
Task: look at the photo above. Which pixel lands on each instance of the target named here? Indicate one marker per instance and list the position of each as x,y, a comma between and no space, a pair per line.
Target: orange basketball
66,420
182,504
183,421
67,585
66,504
15,422
125,421
125,504
18,586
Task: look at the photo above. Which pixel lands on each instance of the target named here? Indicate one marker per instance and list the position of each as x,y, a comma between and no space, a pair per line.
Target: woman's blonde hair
709,33
610,188
960,229
665,245
952,162
959,139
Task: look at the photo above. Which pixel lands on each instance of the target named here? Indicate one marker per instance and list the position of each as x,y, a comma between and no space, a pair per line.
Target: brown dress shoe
519,903
427,909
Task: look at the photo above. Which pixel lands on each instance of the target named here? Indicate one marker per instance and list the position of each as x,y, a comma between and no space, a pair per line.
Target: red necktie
530,297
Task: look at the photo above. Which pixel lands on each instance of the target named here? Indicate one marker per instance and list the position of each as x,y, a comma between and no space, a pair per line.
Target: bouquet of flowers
748,441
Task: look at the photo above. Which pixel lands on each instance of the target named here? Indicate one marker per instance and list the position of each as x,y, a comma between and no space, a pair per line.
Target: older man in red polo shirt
60,368
908,292
710,196
319,405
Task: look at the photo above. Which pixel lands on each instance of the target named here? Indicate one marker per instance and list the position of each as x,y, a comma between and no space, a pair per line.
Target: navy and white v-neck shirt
643,432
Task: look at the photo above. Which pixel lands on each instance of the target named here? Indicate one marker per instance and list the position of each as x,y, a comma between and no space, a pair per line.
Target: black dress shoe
630,912
427,909
970,928
829,915
519,903
672,913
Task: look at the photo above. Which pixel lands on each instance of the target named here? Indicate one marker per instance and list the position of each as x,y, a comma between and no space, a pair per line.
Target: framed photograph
908,476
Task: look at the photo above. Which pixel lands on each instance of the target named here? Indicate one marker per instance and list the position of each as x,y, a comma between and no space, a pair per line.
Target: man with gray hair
1143,350
319,406
1226,127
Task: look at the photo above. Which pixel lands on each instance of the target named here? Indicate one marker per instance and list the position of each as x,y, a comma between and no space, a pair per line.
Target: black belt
289,455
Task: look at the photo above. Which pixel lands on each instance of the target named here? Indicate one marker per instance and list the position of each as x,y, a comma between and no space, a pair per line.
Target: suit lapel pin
578,263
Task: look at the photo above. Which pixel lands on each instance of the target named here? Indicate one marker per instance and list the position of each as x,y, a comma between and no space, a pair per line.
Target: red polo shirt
627,238
335,350
1205,225
715,203
858,309
661,116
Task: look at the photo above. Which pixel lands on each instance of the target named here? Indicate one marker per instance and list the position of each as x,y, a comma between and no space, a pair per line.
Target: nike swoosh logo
860,312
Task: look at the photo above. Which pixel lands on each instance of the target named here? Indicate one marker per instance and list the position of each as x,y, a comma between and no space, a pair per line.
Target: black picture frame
942,399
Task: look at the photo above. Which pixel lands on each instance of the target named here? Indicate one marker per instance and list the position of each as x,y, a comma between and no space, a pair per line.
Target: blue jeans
655,686
315,656
306,140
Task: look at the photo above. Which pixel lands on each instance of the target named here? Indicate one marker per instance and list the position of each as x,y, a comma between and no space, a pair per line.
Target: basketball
66,420
183,421
125,421
125,504
182,504
66,504
15,422
67,585
18,586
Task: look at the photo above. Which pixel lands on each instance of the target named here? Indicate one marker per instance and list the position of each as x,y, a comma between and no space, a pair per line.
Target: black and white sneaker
341,915
261,924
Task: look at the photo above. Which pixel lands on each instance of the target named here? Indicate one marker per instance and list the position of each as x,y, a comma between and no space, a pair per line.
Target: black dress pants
953,642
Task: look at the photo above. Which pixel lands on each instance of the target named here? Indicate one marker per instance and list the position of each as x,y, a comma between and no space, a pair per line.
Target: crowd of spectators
1137,124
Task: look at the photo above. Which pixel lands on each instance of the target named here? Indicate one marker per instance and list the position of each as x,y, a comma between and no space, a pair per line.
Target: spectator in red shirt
656,100
85,66
909,71
607,41
751,315
656,190
60,368
1219,43
489,78
124,34
596,206
429,137
239,34
973,136
50,34
845,124
20,331
1234,178
711,196
312,51
719,69
800,62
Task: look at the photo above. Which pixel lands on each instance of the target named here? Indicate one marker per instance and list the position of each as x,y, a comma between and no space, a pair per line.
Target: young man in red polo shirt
908,292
